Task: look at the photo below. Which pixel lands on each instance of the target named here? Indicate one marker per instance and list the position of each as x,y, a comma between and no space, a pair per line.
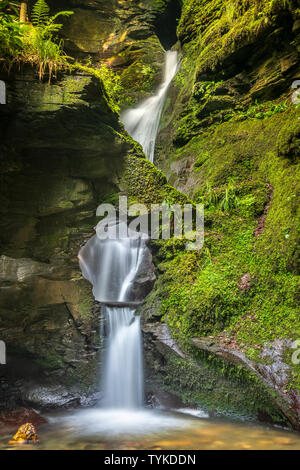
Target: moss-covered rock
213,378
229,139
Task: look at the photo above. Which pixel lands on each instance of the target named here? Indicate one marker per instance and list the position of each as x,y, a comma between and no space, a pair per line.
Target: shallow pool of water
97,429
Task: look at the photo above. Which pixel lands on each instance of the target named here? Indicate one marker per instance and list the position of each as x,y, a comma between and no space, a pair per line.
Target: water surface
106,429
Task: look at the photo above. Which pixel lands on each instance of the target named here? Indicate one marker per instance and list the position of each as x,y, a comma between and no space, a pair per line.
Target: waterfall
143,121
123,374
111,266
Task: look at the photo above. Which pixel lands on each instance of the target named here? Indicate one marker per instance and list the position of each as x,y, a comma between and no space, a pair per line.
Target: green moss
109,82
239,167
144,183
216,385
219,29
85,301
50,362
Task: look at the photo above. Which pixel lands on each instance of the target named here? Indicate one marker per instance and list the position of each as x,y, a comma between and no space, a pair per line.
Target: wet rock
145,278
47,312
163,335
213,376
26,435
22,269
20,415
272,370
105,29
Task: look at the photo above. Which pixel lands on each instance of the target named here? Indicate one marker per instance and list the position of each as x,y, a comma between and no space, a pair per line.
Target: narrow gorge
130,341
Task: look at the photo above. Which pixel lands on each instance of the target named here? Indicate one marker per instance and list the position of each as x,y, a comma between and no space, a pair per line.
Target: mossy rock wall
214,384
229,139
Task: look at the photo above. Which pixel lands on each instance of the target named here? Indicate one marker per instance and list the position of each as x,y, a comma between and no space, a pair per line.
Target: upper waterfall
142,122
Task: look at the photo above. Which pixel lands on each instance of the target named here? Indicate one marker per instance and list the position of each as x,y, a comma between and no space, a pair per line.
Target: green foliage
33,43
40,13
11,31
109,78
43,51
41,19
39,44
261,111
233,196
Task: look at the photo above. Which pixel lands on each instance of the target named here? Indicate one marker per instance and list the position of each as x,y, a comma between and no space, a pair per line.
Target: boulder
26,434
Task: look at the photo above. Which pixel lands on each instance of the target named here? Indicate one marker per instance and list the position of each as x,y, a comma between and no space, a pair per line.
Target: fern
40,18
50,27
40,13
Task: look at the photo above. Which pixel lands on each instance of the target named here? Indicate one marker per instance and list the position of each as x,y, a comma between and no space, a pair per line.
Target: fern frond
61,13
40,13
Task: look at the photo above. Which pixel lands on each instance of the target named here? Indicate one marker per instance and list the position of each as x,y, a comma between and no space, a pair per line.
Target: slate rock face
59,149
61,154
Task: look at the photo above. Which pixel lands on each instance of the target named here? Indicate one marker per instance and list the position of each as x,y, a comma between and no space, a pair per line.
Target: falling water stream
111,266
142,123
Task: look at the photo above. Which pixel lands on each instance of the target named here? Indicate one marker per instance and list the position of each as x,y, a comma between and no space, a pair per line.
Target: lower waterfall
123,374
111,265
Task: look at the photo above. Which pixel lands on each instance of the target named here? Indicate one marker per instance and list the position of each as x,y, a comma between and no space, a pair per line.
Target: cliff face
62,153
122,34
229,139
59,148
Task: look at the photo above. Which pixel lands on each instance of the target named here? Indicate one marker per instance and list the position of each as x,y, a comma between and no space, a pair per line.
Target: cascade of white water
143,121
111,266
123,373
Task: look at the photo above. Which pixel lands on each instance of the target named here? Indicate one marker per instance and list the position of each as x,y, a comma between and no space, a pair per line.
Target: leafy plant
260,111
11,31
230,199
225,198
34,42
40,18
40,13
39,44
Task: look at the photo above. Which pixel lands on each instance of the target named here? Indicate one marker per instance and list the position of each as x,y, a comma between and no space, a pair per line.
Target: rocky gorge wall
59,144
63,150
229,139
